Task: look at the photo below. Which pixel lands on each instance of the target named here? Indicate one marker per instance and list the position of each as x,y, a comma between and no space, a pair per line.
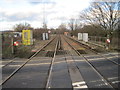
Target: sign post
15,44
12,43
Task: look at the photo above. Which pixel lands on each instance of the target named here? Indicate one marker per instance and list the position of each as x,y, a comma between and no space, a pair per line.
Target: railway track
58,72
10,67
51,66
96,66
76,78
99,54
63,63
36,56
14,71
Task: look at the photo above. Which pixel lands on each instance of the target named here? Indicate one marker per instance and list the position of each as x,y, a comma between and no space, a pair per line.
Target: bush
23,51
7,53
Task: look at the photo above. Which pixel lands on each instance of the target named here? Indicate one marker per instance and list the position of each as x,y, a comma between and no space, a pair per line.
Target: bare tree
62,28
72,24
20,27
105,14
77,24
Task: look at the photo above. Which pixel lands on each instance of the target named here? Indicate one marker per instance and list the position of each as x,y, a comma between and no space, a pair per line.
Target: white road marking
79,85
116,82
112,78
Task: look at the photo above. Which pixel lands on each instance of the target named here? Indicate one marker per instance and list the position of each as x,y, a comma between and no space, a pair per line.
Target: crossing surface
63,63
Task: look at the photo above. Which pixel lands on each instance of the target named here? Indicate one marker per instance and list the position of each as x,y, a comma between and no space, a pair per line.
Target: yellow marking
81,48
27,37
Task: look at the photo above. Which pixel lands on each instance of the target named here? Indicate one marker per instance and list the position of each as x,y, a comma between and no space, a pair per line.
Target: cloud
34,2
56,11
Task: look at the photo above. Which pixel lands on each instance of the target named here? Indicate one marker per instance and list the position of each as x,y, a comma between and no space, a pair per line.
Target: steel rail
79,87
15,71
14,60
93,67
47,86
87,47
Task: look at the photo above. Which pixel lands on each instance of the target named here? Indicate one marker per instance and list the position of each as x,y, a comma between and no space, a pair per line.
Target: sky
34,12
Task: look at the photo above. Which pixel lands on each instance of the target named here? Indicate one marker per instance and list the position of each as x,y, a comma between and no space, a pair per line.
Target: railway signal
108,40
108,43
16,43
49,31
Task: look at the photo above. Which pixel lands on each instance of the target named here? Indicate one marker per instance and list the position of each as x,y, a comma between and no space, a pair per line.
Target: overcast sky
32,11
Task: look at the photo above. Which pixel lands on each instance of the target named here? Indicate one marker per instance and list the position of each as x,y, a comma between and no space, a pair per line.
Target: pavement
32,75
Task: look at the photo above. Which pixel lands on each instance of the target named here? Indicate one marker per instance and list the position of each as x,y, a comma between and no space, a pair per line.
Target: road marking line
82,87
81,48
113,57
76,83
96,59
79,85
112,78
2,65
115,82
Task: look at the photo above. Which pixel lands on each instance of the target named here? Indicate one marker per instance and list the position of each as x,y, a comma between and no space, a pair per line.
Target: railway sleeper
82,51
61,52
50,54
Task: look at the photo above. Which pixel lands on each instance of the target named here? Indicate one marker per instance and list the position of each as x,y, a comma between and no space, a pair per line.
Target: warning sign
27,37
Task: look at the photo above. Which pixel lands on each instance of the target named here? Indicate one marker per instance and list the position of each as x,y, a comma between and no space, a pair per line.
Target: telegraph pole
44,16
44,2
12,42
1,45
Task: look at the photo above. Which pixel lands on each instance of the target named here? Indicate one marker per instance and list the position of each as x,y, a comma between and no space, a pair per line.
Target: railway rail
101,73
23,64
51,66
65,63
99,54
